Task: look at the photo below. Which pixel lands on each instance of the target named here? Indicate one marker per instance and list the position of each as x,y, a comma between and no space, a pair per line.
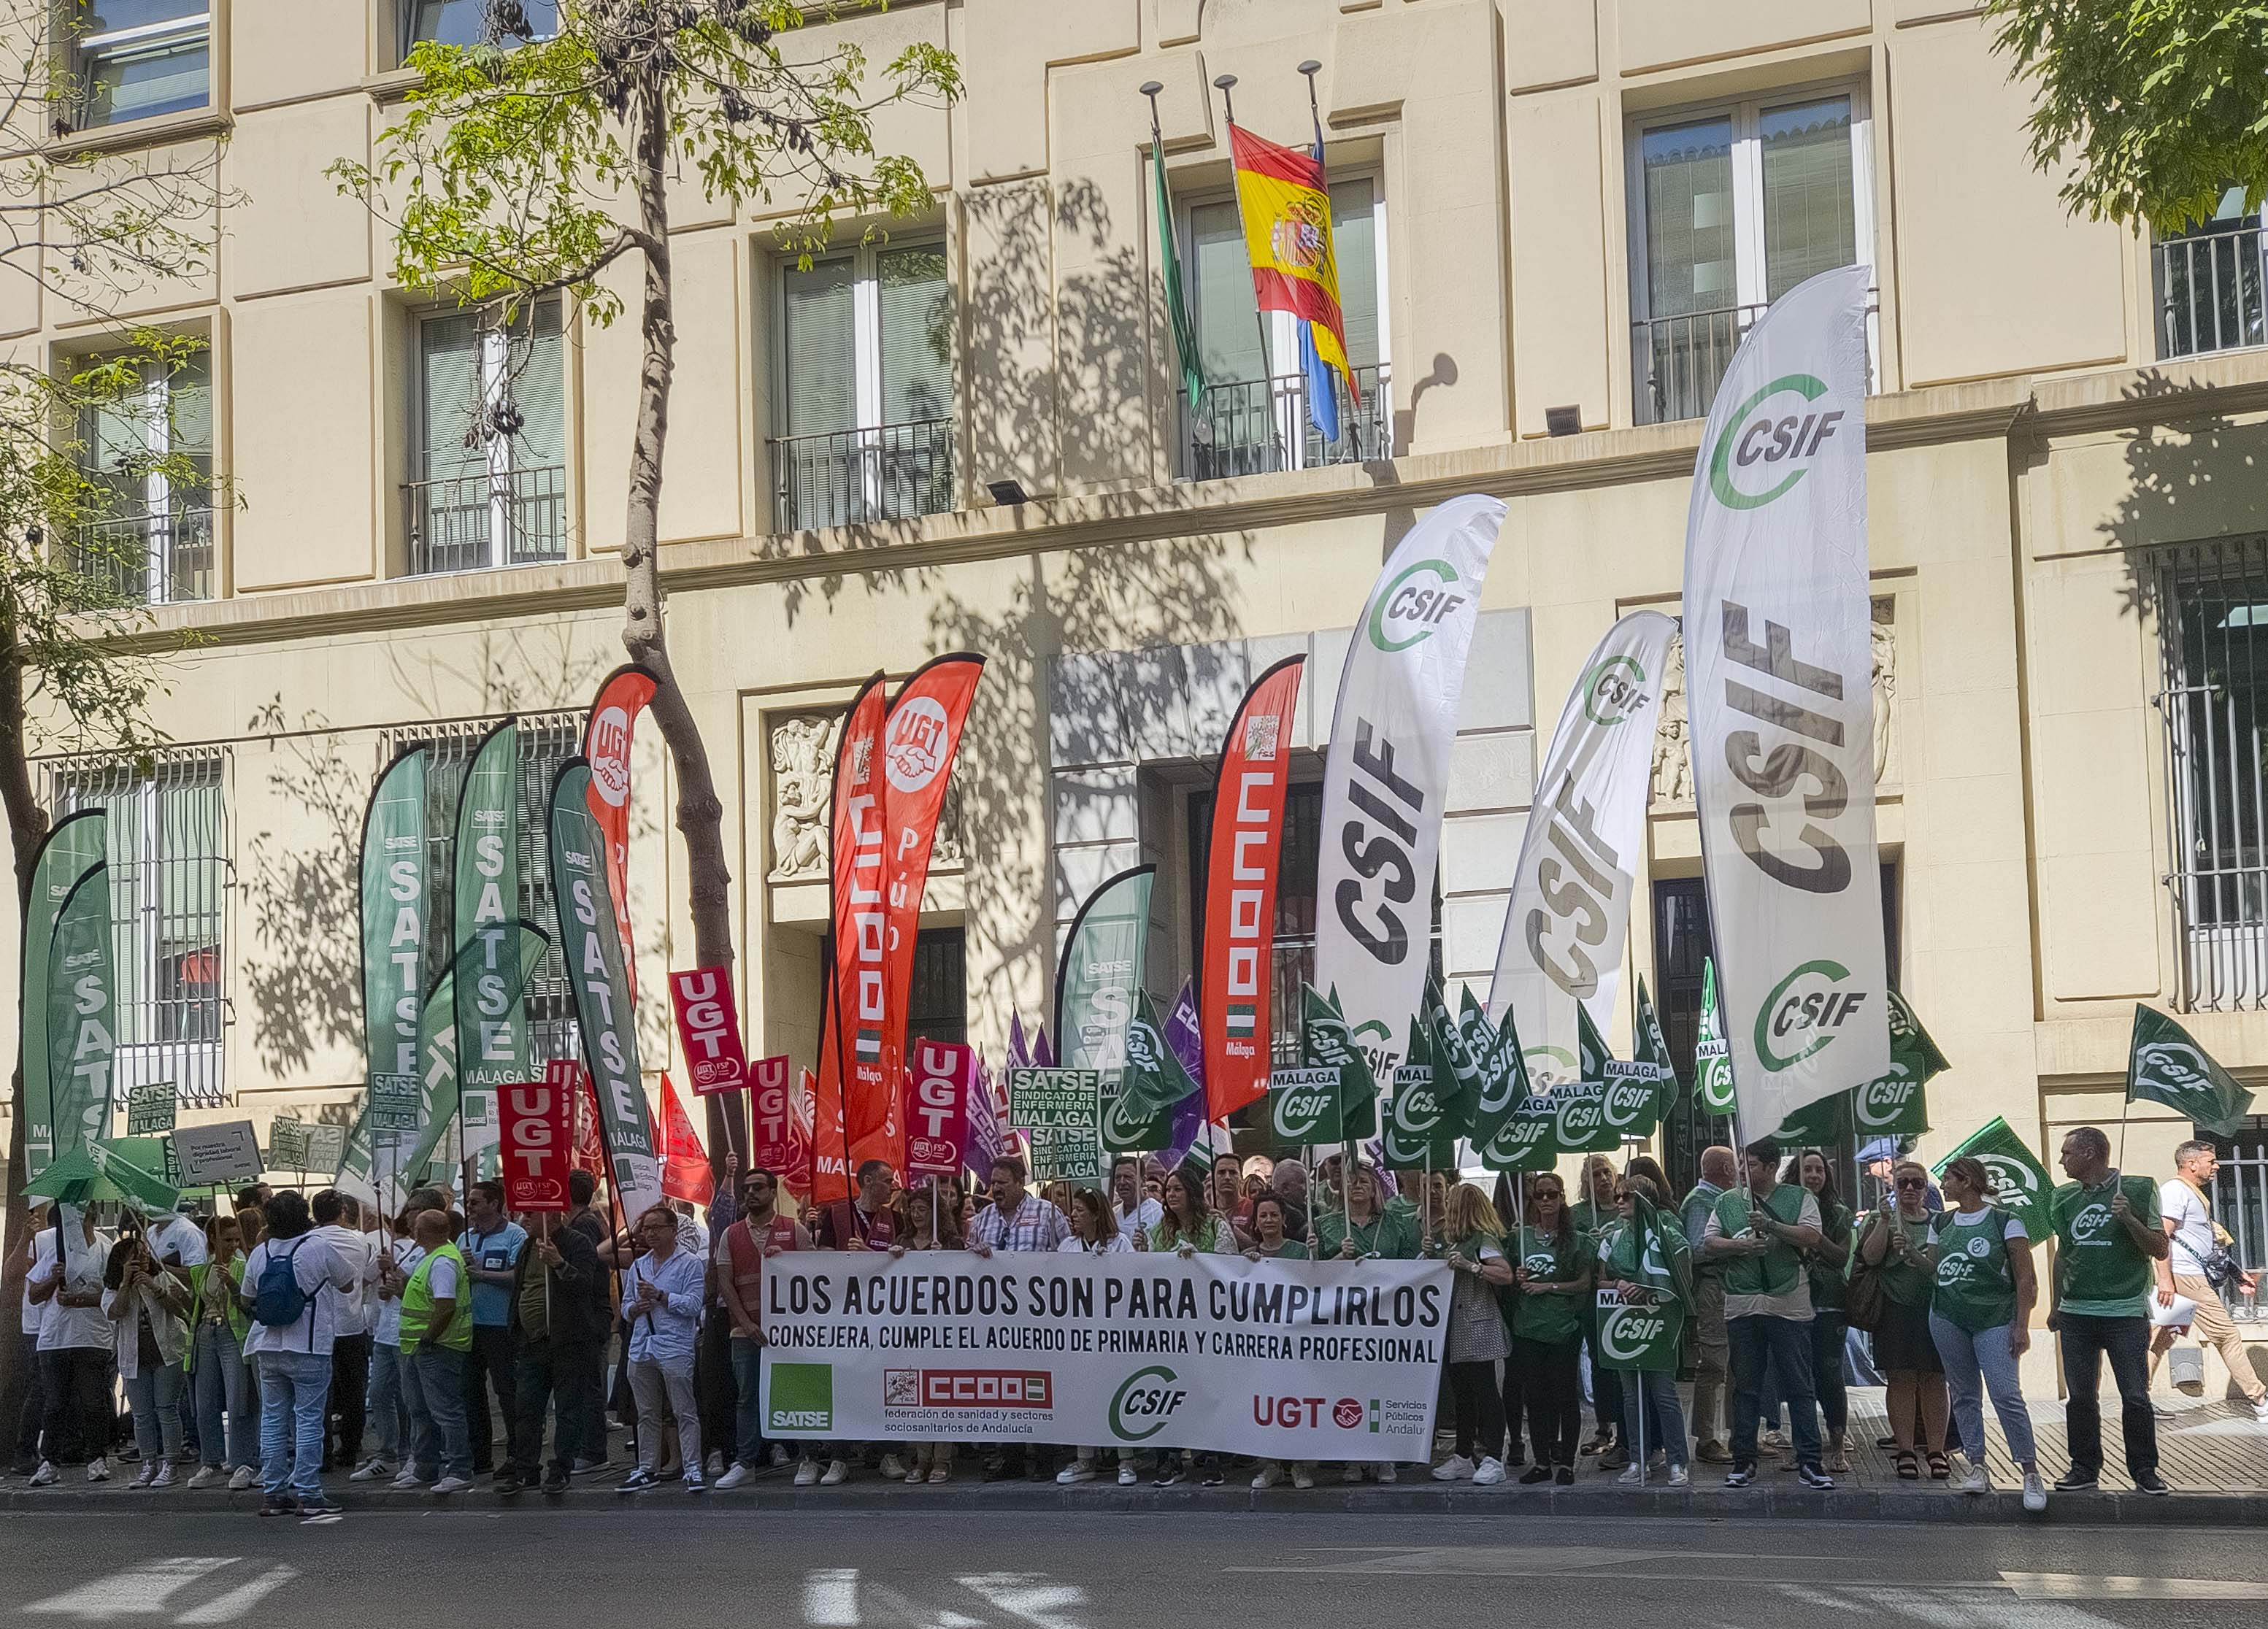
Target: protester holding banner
1273,1220
559,1330
1136,1212
1757,1232
2108,1239
1894,1244
661,1304
1555,1270
926,1222
1980,1316
1016,1220
761,1232
228,1434
1473,1242
1712,1365
1190,1226
1362,1227
1828,1268
147,1304
1095,1232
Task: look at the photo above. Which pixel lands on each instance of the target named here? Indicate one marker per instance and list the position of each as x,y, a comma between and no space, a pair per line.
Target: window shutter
449,388
917,307
192,429
1810,212
822,390
1228,333
1354,245
539,389
1687,176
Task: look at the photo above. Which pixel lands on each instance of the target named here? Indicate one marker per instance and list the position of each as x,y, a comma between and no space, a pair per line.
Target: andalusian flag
1169,272
1286,208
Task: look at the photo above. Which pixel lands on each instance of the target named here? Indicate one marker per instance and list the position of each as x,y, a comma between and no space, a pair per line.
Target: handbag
1863,1298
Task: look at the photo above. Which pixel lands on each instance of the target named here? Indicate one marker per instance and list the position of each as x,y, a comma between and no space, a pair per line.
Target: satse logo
1761,455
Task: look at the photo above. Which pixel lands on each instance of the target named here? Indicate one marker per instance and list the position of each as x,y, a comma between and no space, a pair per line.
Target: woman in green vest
1554,1267
1894,1245
1829,1267
1980,1315
219,1381
1594,1215
1661,1279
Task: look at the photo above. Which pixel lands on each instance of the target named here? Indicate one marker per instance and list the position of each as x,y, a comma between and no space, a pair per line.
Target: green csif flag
1420,1132
82,1013
2019,1182
128,1165
1649,1253
2166,1067
490,989
1651,1048
1326,1043
1504,1086
1712,1055
1894,1105
1630,1099
1457,1062
1169,272
1527,1141
73,847
1153,1080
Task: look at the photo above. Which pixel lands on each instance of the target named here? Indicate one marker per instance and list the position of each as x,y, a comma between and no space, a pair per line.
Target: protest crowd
288,1336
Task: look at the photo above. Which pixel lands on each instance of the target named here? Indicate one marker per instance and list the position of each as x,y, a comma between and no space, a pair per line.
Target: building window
546,740
866,389
488,478
2210,283
936,1007
168,848
2214,642
2240,1198
1254,415
465,22
135,58
154,538
1731,206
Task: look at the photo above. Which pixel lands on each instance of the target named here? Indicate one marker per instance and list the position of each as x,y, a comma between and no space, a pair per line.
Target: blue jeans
748,1405
1782,1345
155,1395
1651,1414
295,1391
434,1383
224,1385
389,1414
1975,1364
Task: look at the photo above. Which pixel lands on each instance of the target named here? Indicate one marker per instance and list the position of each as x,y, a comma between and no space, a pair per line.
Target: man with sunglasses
741,1249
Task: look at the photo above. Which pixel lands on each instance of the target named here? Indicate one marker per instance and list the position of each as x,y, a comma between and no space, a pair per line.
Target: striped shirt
1036,1225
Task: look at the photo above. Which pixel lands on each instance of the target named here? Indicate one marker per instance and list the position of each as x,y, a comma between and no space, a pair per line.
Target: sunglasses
1913,1182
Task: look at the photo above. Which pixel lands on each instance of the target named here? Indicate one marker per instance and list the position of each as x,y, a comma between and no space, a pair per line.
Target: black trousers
79,1416
1606,1387
1551,1379
564,1375
488,1365
35,1406
1479,1409
1515,1412
712,1382
2125,1341
350,1404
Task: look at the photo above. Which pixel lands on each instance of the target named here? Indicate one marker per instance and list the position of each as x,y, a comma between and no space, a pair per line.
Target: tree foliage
2158,106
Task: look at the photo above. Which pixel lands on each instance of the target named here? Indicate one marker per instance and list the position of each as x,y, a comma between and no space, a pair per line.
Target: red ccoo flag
856,1101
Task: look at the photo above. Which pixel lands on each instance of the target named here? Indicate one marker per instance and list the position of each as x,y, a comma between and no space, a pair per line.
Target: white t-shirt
43,1251
353,1249
2192,1239
69,1328
2013,1229
179,1238
387,1327
1114,1245
322,1276
1141,1218
440,1283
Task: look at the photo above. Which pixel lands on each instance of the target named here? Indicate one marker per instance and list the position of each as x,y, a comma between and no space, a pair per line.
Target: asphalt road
694,1567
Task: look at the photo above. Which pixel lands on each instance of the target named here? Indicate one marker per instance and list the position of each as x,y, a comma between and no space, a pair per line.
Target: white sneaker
1489,1473
407,1481
806,1473
1302,1477
2260,1409
733,1479
2036,1493
1386,1473
894,1469
244,1478
450,1484
371,1470
1078,1471
1269,1475
1456,1468
780,1455
1678,1477
47,1475
693,1482
715,1465
98,1469
1127,1476
838,1473
164,1477
1352,1473
2161,1410
208,1476
1975,1481
148,1478
1632,1477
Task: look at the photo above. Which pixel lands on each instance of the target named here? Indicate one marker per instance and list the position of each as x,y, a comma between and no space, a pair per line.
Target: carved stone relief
802,747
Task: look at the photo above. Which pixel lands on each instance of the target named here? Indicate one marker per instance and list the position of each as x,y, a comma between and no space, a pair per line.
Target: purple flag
983,1115
1020,1056
1042,1054
1188,1043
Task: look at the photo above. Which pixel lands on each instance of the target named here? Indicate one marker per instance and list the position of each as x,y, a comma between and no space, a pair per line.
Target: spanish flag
1286,208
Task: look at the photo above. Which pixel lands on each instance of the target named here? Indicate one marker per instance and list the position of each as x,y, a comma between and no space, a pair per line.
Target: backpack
278,1300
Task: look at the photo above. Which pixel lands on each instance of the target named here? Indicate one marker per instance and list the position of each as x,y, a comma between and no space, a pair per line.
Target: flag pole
1226,84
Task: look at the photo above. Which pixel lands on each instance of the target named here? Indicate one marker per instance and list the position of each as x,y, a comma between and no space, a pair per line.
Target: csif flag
613,720
1778,657
1503,1086
2020,1183
1713,1056
1326,1043
1896,1106
1629,1096
854,1101
490,986
1648,1251
1456,1058
2166,1065
1245,845
1569,913
1651,1048
1152,1080
74,845
1420,1134
1387,772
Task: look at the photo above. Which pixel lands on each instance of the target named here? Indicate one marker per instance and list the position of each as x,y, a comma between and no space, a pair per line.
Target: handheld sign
151,1108
937,1108
536,1133
771,1116
222,1154
709,1028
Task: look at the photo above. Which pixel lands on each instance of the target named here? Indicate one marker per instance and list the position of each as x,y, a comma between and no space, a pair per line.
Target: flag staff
1225,84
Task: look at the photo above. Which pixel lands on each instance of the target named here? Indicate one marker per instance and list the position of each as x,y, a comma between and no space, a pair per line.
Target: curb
1863,1504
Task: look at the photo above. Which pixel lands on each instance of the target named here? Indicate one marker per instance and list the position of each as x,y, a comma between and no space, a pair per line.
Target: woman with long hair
1593,1213
228,1418
1095,1232
1190,1226
1895,1244
1363,1225
1653,1421
1554,1268
1827,1267
1472,1238
148,1304
1980,1315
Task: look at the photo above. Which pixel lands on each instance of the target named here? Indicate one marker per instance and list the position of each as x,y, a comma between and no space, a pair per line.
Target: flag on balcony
1287,209
1169,269
1322,398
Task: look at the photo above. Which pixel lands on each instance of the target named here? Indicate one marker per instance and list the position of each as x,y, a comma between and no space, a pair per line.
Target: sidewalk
2214,1453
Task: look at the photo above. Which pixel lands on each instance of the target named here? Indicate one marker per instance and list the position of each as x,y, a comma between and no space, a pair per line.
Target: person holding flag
2108,1241
1645,1266
1894,1244
1758,1231
1473,1238
1555,1273
1980,1315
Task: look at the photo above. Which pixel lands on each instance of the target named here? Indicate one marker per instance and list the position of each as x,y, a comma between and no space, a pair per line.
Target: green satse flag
1153,1080
1101,973
1503,1086
82,1013
396,900
74,845
1326,1043
1650,1047
135,1166
490,985
1627,1094
1419,1136
2019,1182
1650,1252
2166,1067
1169,270
438,1053
1712,1055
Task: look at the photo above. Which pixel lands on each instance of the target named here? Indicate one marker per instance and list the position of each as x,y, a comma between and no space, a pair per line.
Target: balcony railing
842,478
151,560
2212,296
1254,426
471,517
1681,360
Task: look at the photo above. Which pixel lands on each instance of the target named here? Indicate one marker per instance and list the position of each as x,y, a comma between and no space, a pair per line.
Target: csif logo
1580,1111
1145,1403
1417,601
1762,455
1804,1013
1519,1137
2014,1183
2089,1226
1300,1103
1626,1334
1613,690
2176,1063
1881,1103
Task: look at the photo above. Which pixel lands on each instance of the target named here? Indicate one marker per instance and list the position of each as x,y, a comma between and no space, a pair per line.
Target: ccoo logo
1762,455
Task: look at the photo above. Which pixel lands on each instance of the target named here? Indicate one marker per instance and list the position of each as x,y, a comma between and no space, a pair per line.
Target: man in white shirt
338,1223
388,1407
26,1256
293,1357
75,1347
177,1241
2192,1237
1137,1212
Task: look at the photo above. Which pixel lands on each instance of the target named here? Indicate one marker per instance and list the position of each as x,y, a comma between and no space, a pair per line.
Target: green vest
418,1305
1551,1317
2101,1272
1779,1269
1693,1216
1975,1287
1906,1281
238,1324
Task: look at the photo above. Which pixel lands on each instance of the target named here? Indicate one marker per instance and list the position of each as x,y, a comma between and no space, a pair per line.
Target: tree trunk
27,824
700,811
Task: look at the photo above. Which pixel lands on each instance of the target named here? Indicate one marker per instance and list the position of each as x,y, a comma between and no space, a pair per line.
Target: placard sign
151,1108
287,1145
327,1145
1053,1100
937,1108
709,1029
393,1103
536,1133
227,1152
771,1116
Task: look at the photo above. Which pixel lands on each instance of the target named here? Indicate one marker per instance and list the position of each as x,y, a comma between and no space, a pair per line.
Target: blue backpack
278,1300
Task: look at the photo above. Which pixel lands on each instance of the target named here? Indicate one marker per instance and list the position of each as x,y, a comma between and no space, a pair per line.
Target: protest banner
1287,1360
771,1123
226,1152
394,1102
151,1107
1053,1099
535,1135
1066,1152
709,1029
287,1145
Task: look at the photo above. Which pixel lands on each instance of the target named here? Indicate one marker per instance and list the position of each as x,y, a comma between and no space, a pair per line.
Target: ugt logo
1746,466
